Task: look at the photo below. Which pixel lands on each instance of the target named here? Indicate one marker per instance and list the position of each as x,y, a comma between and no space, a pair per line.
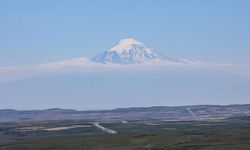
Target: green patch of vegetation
134,135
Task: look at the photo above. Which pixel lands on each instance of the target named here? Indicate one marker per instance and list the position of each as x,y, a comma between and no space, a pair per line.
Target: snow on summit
125,44
129,51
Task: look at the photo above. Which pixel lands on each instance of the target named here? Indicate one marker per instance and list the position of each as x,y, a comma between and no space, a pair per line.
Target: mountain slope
130,51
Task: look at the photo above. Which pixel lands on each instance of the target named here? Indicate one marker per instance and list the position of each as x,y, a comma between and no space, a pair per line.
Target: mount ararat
131,51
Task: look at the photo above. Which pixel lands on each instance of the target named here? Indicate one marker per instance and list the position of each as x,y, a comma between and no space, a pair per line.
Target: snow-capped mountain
130,51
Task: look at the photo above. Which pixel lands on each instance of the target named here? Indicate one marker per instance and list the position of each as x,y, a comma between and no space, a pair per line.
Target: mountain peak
126,44
130,51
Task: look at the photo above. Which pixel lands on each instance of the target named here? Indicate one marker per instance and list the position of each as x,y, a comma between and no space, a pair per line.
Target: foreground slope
228,134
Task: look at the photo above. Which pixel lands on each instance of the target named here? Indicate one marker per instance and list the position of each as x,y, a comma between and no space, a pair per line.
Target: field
227,134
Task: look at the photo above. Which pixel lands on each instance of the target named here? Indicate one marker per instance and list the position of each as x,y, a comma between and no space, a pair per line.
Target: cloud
83,65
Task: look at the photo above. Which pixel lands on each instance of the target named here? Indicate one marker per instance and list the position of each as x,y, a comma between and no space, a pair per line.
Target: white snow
126,44
128,51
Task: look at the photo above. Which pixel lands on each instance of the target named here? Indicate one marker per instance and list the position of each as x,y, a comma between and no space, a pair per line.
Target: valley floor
131,135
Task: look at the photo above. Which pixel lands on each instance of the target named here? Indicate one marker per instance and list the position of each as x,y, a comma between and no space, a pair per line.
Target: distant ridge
202,112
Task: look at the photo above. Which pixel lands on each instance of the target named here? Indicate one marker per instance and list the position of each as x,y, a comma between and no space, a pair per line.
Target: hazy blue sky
36,32
126,88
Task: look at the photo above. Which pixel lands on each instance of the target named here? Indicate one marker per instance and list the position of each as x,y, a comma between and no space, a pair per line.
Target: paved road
106,130
191,112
